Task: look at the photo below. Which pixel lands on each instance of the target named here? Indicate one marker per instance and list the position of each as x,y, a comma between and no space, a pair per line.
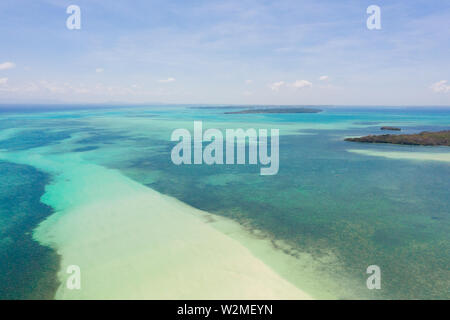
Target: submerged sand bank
147,246
132,242
424,156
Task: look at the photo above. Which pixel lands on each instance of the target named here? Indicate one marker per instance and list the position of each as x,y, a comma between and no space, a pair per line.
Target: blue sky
226,52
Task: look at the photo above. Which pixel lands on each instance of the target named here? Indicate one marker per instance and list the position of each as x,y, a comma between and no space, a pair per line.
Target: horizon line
143,104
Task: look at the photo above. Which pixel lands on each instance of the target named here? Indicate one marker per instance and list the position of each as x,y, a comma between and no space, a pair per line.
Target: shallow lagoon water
329,213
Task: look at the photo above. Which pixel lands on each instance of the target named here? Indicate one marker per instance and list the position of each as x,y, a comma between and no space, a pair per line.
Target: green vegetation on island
390,128
276,110
441,138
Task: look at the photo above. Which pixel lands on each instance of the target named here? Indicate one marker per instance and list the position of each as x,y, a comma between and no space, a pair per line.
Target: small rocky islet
390,128
276,110
440,138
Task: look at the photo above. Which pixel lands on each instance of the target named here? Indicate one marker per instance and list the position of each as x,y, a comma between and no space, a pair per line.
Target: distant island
276,110
441,138
390,128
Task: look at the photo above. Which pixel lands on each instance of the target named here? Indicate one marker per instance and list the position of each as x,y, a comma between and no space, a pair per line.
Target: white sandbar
423,156
132,242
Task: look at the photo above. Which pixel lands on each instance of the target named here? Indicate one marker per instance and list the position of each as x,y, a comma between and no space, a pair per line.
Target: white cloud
277,85
248,81
167,80
54,87
7,65
99,70
324,78
3,80
440,86
299,84
281,50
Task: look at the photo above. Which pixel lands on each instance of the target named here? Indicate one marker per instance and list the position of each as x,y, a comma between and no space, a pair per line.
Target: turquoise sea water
27,270
366,210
